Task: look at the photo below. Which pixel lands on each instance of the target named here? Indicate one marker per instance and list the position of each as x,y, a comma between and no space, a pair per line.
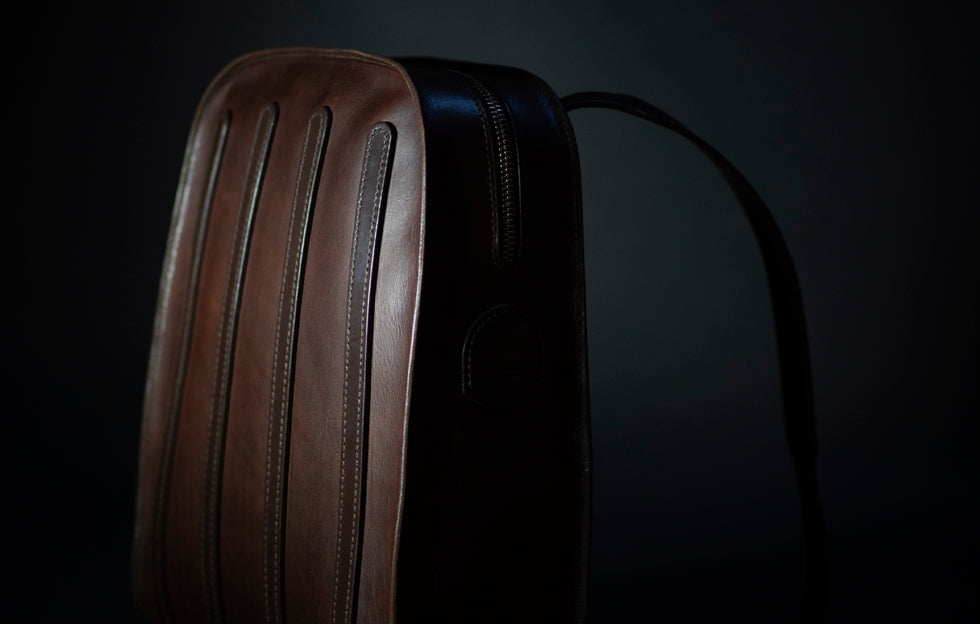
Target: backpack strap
791,340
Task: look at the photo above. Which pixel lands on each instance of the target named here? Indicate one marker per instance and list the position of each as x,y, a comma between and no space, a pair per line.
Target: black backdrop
852,120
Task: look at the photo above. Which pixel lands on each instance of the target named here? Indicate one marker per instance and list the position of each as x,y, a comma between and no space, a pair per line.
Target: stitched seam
343,436
375,213
272,398
211,527
294,269
419,259
257,58
154,561
285,380
285,377
220,384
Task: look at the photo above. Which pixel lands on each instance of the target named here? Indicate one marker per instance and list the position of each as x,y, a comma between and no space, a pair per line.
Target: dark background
855,123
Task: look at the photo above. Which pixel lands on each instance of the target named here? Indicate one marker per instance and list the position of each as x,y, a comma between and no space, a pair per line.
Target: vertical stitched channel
377,159
287,319
162,486
224,359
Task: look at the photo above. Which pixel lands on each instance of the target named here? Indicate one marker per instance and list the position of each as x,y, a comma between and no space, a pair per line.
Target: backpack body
367,396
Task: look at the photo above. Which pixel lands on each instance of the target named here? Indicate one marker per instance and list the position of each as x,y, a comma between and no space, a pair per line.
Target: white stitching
154,560
360,381
219,382
343,419
375,214
320,117
165,464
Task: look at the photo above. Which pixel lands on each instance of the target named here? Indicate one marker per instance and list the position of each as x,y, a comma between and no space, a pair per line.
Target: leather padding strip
224,358
287,321
367,224
161,495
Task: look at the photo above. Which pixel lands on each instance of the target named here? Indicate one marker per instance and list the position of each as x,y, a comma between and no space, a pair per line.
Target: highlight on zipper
506,181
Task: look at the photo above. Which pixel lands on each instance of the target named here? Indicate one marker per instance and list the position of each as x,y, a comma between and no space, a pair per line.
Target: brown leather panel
227,336
217,513
360,96
200,239
396,305
277,444
197,448
168,359
241,534
357,357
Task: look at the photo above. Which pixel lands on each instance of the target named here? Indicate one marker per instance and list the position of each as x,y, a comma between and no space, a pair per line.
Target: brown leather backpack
367,395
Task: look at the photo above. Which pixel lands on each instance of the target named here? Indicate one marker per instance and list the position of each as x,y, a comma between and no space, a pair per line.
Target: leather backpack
367,397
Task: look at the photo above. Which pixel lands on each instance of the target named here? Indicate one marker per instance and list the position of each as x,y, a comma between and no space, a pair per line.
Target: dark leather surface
497,490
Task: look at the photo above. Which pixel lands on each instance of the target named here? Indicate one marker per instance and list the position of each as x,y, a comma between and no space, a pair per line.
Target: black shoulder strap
791,341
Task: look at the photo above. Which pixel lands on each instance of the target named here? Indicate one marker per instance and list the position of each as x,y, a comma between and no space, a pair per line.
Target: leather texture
333,430
277,332
498,481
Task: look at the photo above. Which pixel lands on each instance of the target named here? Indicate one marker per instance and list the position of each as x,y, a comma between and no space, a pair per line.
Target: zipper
506,181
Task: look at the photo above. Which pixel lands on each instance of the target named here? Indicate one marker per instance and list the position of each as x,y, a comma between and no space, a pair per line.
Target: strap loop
791,341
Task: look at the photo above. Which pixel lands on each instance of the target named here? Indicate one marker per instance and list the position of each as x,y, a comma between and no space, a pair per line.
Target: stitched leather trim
287,320
367,225
162,490
224,359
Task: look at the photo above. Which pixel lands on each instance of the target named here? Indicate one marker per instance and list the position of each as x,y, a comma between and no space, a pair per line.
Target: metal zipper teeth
505,145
